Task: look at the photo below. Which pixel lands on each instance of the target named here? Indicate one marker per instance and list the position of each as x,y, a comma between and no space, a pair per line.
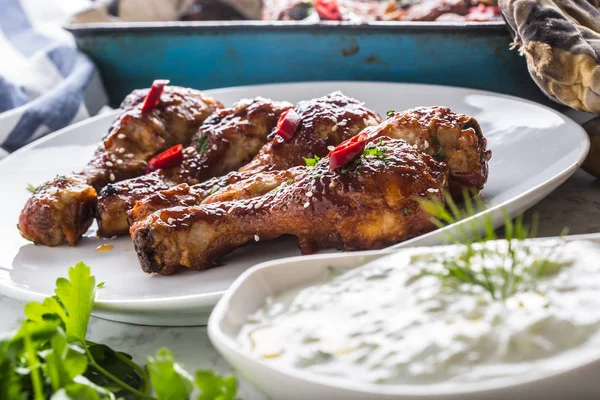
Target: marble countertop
575,204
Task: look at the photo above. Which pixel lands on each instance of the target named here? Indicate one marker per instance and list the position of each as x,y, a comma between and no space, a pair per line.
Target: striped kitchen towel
45,82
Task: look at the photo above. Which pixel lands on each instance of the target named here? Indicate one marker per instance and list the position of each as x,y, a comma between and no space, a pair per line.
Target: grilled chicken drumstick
324,122
453,138
63,209
225,141
369,204
450,137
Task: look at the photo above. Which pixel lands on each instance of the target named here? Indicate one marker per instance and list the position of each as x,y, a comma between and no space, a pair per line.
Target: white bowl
579,380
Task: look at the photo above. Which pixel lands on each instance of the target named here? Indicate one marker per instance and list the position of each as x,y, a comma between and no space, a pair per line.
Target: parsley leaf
311,162
78,391
10,384
389,112
169,380
76,295
64,362
215,387
119,365
42,312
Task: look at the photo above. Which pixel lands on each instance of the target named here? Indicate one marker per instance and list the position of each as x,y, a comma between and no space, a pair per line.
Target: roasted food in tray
296,10
328,171
377,10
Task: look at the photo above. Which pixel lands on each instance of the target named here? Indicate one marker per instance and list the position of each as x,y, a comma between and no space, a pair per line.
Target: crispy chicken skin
226,140
325,121
370,204
254,186
62,209
233,186
453,138
183,195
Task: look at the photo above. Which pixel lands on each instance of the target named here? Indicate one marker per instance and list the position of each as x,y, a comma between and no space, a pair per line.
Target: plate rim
192,301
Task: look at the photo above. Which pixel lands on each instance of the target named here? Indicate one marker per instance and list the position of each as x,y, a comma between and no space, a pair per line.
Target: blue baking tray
208,55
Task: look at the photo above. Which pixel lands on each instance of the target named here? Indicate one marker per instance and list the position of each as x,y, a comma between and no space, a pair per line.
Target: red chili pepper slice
347,151
153,97
167,159
287,124
328,10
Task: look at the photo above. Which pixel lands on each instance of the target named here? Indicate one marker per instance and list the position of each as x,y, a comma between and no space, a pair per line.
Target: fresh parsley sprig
49,357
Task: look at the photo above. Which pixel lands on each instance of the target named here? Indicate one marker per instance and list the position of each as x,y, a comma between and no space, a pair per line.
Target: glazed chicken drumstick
370,204
453,138
324,122
225,141
63,209
318,129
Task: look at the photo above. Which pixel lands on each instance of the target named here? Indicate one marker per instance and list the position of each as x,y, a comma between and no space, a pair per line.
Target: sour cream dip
401,320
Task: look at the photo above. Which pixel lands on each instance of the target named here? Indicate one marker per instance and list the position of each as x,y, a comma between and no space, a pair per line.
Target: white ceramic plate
534,150
572,374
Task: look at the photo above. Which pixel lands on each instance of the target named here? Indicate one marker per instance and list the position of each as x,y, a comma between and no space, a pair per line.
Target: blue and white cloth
45,82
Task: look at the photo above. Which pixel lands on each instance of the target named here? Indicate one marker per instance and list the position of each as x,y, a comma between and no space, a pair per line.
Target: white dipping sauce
386,323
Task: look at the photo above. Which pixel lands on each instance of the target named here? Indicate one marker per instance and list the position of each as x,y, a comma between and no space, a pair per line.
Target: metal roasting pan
208,55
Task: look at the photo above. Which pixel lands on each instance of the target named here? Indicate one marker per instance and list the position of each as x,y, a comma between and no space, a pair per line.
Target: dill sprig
501,268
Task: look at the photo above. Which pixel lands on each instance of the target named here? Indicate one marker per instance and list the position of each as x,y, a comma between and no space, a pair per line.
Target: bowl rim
223,341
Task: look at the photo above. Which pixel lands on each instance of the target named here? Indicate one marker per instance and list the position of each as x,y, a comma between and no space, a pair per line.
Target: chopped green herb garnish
375,150
405,211
31,188
389,112
214,189
201,143
101,285
439,154
290,181
317,174
311,162
508,268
